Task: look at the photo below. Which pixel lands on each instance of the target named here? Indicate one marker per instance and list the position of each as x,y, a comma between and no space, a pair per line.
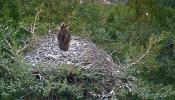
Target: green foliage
86,19
9,9
12,38
149,91
66,82
63,82
15,79
156,74
125,32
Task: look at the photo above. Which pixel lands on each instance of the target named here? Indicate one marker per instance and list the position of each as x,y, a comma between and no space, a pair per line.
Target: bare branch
140,58
33,27
34,24
22,49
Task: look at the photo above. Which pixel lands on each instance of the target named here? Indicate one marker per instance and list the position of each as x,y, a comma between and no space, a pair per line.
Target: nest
82,53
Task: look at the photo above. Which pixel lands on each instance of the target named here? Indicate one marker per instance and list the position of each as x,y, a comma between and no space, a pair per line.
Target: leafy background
124,31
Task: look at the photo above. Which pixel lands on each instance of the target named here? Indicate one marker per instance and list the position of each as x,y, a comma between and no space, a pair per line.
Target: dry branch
152,42
140,58
34,24
33,27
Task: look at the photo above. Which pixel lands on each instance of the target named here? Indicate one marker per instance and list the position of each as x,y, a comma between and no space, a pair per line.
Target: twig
119,63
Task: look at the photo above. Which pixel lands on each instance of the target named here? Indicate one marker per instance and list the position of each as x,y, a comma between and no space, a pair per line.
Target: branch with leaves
152,42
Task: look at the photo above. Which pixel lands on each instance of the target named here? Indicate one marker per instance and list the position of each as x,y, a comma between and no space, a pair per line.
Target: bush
124,31
15,79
